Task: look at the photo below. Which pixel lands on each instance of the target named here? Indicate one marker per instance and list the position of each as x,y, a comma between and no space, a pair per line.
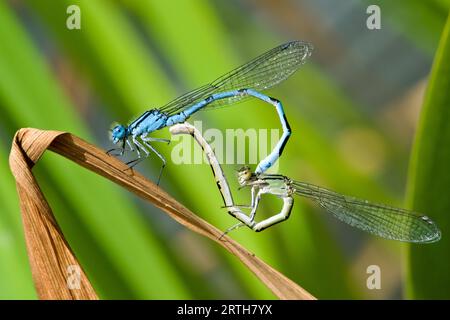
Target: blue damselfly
246,81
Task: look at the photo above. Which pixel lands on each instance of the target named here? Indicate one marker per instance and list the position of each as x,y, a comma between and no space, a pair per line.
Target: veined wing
260,74
381,220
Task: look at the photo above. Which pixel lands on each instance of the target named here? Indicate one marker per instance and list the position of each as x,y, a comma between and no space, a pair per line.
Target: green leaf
428,275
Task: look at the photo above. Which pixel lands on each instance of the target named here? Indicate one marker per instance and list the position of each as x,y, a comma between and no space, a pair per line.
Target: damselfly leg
236,226
117,151
145,146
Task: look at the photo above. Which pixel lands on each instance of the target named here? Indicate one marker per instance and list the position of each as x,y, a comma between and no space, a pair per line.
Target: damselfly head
244,175
118,133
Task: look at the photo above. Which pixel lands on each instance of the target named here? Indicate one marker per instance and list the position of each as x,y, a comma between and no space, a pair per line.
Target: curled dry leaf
49,252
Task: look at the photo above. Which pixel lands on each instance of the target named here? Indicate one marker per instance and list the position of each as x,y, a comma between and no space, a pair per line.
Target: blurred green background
353,109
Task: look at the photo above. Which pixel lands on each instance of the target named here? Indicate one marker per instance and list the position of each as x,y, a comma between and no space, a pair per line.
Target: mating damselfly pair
247,81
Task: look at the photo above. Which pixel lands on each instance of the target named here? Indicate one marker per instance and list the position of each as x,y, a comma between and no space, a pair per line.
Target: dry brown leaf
49,252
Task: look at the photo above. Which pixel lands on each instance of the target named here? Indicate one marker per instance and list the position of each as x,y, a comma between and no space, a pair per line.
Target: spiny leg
138,146
145,140
246,206
112,152
130,145
122,149
238,225
150,139
131,164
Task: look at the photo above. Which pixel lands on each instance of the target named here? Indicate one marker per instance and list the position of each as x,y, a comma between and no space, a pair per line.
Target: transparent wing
260,74
378,219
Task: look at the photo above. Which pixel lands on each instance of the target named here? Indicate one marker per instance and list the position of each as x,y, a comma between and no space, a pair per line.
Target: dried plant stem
49,254
48,251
